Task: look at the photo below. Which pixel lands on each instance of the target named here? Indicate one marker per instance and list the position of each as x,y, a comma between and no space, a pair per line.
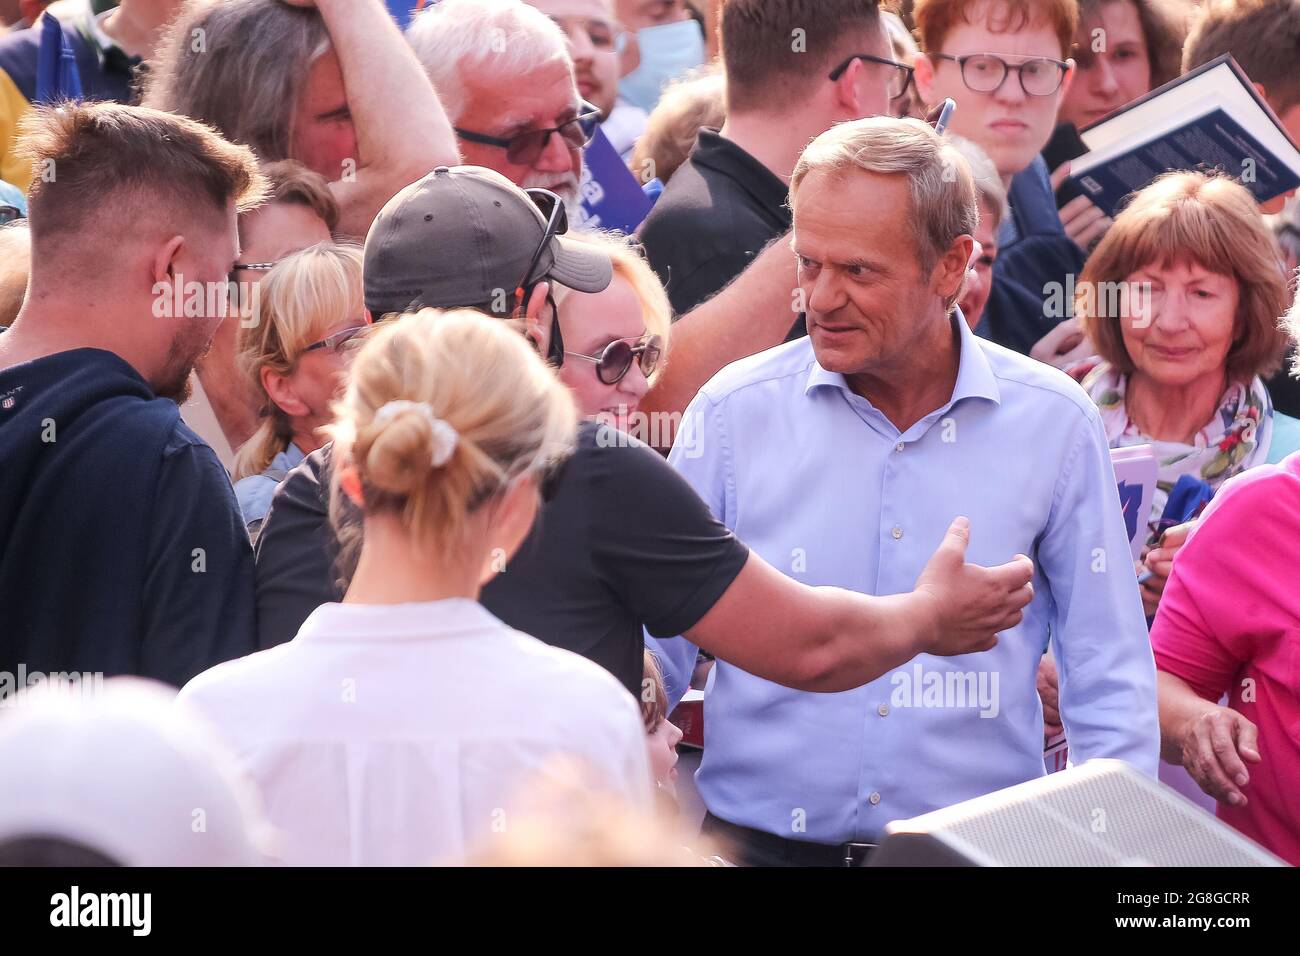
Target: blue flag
611,196
57,76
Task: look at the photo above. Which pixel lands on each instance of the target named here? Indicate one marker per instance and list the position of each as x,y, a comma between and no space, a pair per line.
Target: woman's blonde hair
692,103
656,311
1206,219
654,695
510,415
306,295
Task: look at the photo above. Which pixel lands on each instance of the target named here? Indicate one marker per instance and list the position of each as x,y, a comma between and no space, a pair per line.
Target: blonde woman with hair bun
399,726
310,321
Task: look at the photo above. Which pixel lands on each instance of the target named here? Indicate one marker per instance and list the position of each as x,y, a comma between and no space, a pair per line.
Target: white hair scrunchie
445,435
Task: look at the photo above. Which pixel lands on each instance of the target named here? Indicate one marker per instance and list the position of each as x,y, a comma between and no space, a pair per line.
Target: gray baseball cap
463,236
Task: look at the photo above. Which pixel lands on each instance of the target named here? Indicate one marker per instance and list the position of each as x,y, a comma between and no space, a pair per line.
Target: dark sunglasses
523,148
9,214
338,341
557,224
616,358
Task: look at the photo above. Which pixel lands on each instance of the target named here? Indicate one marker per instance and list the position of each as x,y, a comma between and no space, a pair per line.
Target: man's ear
846,89
950,272
350,482
163,267
923,77
535,327
282,392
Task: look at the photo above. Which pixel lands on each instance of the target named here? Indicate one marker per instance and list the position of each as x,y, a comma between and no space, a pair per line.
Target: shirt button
874,798
898,447
897,532
883,710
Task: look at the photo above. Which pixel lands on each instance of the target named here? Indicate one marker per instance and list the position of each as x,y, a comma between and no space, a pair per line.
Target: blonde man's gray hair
455,37
940,185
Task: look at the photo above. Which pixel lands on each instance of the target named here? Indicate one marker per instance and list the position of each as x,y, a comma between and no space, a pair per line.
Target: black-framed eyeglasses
616,358
606,36
986,72
523,148
557,224
900,76
340,341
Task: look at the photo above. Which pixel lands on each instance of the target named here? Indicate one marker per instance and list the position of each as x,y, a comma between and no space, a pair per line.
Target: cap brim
579,266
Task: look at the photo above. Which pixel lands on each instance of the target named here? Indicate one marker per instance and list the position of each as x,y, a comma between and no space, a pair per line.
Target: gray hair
940,185
988,184
457,36
239,66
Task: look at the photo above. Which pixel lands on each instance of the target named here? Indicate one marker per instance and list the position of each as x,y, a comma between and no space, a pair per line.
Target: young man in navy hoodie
122,550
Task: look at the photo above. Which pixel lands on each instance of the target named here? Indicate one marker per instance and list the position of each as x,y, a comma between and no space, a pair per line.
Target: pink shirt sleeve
1229,596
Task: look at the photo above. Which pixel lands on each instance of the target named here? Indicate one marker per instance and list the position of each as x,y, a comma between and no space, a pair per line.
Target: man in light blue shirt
841,459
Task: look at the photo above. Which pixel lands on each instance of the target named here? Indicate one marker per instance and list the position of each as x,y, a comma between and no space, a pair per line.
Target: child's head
662,735
448,425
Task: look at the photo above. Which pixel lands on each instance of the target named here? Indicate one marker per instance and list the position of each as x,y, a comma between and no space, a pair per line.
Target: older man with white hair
839,457
506,80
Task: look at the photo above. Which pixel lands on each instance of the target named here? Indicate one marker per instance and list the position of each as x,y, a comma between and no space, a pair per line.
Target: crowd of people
356,491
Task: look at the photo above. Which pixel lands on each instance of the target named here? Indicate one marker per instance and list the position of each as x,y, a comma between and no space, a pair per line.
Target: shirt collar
716,152
417,620
975,378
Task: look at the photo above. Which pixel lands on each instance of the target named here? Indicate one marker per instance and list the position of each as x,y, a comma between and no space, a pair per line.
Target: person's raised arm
402,132
751,314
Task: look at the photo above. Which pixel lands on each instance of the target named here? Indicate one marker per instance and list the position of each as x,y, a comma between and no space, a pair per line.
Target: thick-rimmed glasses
900,75
616,358
986,72
523,148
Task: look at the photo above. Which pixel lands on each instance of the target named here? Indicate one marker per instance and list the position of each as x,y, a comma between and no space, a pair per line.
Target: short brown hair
772,48
1262,35
1164,27
936,18
1192,217
293,183
124,161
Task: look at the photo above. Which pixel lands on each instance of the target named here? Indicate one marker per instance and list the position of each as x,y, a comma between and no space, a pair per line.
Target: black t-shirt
122,549
719,211
623,542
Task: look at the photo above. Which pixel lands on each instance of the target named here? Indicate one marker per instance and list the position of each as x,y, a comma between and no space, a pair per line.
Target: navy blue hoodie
122,550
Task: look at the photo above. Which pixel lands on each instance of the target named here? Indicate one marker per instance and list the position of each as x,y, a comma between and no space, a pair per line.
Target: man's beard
564,185
187,350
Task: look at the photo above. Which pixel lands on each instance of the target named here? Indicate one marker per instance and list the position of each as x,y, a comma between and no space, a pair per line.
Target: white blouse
408,734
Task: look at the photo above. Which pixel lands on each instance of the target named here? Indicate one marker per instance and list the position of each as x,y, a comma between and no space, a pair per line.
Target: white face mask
667,51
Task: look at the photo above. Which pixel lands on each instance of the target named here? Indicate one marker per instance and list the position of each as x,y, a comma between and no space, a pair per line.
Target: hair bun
411,442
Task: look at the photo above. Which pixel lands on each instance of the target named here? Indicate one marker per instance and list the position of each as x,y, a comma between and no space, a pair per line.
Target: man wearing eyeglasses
794,69
1005,64
505,78
596,42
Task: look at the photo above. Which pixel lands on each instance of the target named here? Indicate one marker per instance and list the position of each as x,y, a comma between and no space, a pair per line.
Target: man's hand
1160,562
1215,744
1051,698
967,604
1083,219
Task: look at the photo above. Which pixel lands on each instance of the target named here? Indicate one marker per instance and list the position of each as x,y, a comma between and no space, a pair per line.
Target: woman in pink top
1229,622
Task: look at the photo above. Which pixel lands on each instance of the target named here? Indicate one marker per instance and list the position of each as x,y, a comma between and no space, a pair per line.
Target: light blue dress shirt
255,492
816,480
